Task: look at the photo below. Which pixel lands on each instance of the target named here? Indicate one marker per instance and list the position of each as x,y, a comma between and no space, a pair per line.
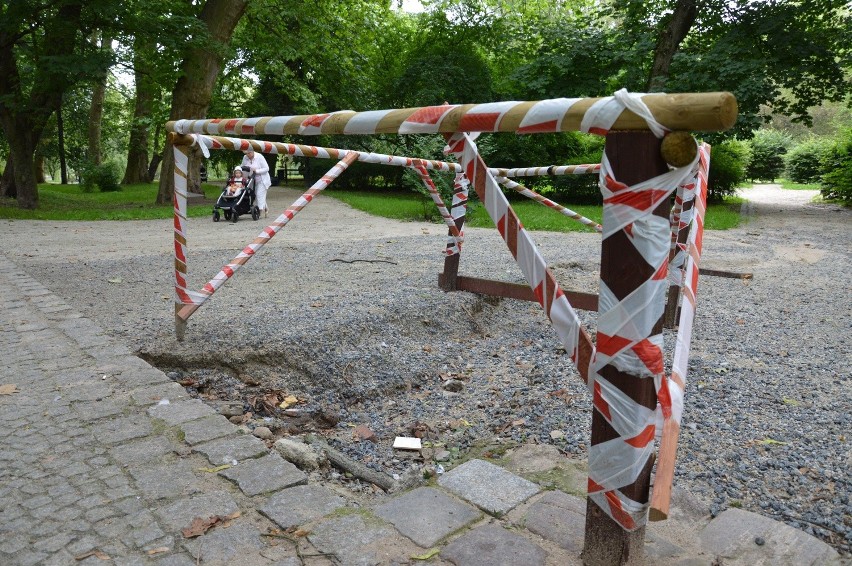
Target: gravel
372,340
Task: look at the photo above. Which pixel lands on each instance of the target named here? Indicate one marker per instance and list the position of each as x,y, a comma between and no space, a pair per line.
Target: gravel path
343,311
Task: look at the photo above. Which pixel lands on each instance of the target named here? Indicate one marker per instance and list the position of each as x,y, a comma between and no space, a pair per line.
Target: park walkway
105,460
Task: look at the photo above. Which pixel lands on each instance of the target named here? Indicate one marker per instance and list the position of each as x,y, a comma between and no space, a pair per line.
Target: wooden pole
180,244
705,111
448,279
634,157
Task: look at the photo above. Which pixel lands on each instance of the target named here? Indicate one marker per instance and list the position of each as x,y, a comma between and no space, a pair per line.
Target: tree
199,70
41,57
96,110
158,35
788,55
768,148
676,27
145,92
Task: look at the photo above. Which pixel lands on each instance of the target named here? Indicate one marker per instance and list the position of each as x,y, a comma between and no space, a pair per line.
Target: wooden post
634,157
448,280
180,148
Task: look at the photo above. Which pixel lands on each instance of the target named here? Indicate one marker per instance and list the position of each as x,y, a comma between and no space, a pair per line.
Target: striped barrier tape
679,111
668,425
198,298
529,193
458,211
552,170
574,339
626,338
420,168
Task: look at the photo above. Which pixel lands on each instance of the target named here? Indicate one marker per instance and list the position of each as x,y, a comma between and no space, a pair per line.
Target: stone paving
104,460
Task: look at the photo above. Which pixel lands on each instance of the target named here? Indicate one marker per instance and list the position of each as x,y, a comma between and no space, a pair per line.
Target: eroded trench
462,399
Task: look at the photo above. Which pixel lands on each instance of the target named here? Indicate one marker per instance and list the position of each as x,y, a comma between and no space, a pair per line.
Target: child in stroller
237,197
237,182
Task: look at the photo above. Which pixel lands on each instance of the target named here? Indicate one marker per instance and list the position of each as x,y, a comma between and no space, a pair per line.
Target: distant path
782,226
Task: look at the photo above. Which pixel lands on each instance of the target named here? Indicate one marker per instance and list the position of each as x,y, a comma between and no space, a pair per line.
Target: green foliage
569,148
837,182
133,202
789,56
768,148
728,163
103,177
804,161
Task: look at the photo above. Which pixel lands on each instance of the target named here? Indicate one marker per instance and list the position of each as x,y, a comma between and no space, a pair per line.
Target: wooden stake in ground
634,157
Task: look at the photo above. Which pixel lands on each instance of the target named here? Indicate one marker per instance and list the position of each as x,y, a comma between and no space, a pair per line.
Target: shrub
728,163
837,181
805,161
104,177
767,155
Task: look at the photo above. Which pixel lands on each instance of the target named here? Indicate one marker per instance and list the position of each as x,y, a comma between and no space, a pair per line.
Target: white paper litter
407,443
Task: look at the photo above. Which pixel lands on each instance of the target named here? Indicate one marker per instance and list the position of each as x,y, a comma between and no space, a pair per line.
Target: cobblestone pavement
104,460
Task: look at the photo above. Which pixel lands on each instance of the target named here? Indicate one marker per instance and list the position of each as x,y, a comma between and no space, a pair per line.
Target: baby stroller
240,201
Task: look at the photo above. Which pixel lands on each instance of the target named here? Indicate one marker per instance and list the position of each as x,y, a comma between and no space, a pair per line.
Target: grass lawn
791,186
534,216
136,202
132,202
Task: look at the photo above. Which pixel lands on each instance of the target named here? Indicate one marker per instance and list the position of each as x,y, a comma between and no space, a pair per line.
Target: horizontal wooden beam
521,292
707,111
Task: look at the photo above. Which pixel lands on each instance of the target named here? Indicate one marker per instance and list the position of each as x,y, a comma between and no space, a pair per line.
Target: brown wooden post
448,280
634,157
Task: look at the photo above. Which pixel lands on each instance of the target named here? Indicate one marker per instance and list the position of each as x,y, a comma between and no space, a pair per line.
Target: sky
412,6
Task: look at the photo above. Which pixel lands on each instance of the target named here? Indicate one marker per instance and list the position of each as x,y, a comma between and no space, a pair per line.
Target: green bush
728,163
103,177
767,155
805,161
837,181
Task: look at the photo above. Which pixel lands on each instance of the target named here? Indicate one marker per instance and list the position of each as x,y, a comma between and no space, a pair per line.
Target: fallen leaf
115,280
216,469
788,401
96,553
200,525
771,441
519,422
426,555
363,432
427,348
8,389
228,519
158,550
301,533
288,401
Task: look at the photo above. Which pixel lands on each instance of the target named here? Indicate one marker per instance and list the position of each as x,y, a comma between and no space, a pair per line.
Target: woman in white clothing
260,168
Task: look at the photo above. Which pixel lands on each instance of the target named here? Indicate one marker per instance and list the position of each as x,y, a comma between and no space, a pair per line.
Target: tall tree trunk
60,136
96,111
194,89
39,167
7,182
21,153
23,117
137,147
678,25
